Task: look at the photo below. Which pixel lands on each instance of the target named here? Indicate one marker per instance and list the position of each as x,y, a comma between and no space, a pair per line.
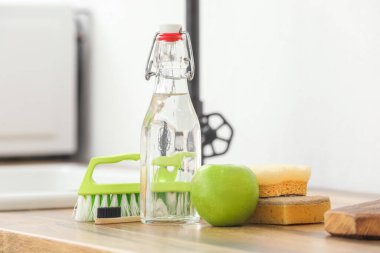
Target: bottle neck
170,86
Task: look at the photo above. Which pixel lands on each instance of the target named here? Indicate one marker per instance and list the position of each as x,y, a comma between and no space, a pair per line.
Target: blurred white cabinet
38,88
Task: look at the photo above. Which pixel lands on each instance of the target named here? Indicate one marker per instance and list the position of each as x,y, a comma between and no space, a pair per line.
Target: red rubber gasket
170,36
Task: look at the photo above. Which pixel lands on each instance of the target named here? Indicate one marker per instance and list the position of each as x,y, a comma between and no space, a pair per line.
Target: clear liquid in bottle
170,136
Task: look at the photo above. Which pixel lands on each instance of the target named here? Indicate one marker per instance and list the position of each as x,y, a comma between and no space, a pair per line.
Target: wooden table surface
56,231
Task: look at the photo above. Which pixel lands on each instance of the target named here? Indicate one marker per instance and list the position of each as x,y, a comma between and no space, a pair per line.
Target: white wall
299,81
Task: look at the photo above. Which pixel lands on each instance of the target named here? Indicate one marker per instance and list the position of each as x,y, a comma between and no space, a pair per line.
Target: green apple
224,195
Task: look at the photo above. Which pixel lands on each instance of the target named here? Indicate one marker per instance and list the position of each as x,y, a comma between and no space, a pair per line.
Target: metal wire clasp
189,74
149,63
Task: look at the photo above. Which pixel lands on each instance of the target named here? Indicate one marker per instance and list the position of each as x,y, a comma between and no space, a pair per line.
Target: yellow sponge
291,210
278,180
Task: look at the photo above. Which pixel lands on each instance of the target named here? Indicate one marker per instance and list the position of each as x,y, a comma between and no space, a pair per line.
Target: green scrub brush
171,188
93,195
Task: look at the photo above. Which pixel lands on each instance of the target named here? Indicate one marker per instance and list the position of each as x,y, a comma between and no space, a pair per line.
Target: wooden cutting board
359,221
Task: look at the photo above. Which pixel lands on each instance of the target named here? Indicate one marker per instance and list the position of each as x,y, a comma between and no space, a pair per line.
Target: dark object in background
212,134
209,135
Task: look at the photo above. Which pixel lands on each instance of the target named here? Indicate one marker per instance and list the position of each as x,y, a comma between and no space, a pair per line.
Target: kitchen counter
56,231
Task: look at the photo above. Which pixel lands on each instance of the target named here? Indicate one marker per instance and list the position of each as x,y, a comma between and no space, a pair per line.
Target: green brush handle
171,187
175,161
164,180
90,187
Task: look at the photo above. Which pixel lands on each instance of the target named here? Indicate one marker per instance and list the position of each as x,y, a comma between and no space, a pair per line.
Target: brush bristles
171,204
87,206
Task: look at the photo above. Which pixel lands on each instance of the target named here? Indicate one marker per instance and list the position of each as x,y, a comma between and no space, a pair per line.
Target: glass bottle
170,135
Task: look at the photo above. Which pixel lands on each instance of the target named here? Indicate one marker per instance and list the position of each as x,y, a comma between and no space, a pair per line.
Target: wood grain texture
360,220
56,231
18,242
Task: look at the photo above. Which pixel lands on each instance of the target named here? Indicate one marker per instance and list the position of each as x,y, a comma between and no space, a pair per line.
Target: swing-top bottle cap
170,28
170,33
171,55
